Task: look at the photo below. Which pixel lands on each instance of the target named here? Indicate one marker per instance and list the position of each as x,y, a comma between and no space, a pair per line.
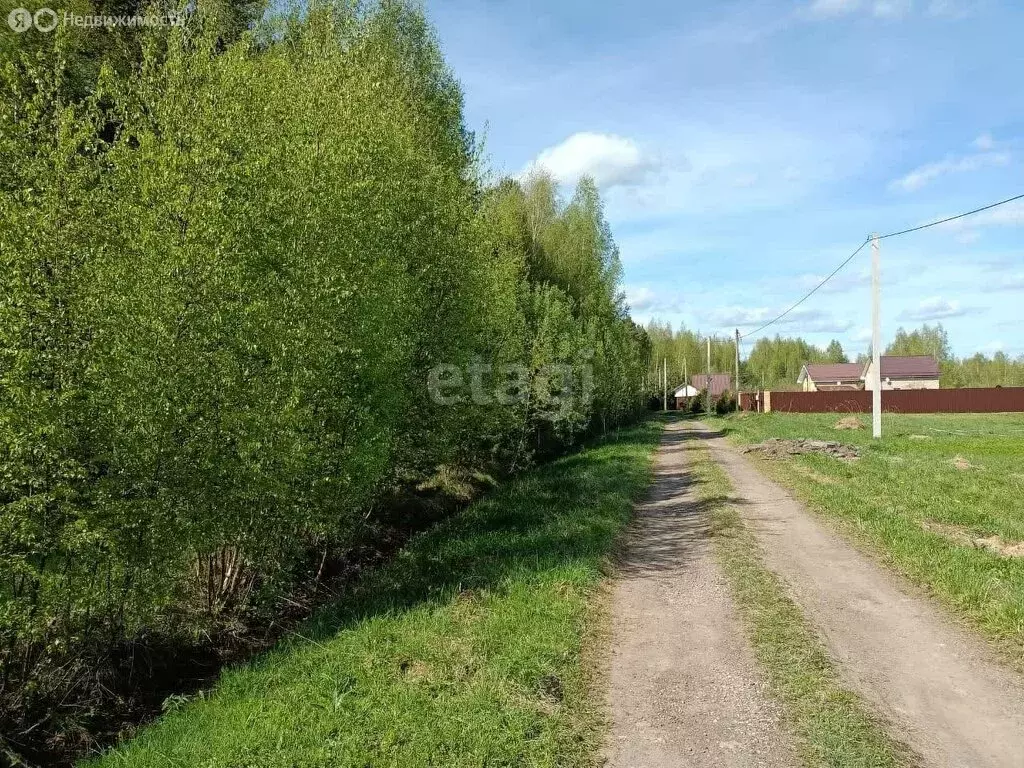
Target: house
682,396
915,372
720,382
830,377
717,383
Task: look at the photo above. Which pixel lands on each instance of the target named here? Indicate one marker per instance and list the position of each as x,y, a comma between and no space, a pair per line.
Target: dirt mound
961,463
777,448
849,422
963,536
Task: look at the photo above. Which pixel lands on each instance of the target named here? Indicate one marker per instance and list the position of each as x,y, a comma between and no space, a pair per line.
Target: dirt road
684,688
940,686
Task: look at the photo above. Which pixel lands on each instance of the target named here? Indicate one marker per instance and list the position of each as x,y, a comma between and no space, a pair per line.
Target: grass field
833,727
940,498
468,650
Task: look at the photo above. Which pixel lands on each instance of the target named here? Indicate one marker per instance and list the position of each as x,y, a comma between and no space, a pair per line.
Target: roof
720,382
686,391
832,372
912,367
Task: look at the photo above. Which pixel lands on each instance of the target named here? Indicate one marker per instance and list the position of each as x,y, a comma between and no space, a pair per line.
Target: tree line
232,261
977,370
775,362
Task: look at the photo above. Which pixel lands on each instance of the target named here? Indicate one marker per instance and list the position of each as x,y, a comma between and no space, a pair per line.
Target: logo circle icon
20,20
45,19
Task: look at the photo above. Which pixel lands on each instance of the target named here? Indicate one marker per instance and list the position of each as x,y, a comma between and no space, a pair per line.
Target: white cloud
609,159
882,9
1012,282
984,142
709,171
645,301
937,308
861,335
925,174
640,298
950,9
806,320
829,8
842,283
887,9
1009,215
891,9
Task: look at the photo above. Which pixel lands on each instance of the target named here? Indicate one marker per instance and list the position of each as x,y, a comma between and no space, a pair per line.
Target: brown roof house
831,377
719,383
915,372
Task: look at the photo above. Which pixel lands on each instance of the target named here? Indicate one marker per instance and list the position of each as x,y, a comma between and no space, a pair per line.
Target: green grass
908,480
832,726
468,650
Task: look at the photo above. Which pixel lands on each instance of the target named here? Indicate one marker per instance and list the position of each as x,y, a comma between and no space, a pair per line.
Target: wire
810,293
952,218
850,258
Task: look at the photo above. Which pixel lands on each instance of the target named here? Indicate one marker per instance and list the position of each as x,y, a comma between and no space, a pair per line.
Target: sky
744,149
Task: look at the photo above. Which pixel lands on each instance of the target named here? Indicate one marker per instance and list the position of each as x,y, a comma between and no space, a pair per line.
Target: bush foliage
229,269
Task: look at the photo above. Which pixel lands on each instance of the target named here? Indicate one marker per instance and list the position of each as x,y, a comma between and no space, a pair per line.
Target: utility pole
707,383
737,369
876,339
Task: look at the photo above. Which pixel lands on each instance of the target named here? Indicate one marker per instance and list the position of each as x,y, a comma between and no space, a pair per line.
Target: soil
684,689
777,448
963,536
941,687
962,464
849,422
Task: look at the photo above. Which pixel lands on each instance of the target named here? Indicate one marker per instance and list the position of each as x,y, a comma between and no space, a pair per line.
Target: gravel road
941,686
684,688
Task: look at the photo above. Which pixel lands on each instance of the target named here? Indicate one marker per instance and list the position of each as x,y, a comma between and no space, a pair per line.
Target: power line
810,293
952,218
850,258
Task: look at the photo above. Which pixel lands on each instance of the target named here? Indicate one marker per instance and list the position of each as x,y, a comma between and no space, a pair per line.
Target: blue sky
745,148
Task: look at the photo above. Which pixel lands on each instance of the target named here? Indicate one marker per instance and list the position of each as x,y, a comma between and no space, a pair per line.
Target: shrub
725,403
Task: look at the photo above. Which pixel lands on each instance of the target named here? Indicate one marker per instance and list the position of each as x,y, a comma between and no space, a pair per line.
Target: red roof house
910,372
824,377
720,382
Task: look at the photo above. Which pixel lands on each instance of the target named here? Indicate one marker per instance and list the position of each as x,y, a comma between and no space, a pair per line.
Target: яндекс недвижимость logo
46,20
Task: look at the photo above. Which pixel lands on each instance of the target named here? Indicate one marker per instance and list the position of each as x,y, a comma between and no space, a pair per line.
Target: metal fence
967,400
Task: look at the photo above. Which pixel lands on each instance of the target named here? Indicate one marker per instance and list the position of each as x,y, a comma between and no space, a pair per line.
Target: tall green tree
834,352
926,340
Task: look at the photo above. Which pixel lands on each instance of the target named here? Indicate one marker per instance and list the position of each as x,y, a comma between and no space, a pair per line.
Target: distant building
683,395
717,383
916,372
686,391
720,382
830,377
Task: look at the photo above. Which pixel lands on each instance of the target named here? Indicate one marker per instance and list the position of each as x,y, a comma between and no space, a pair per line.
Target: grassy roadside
467,650
936,499
832,726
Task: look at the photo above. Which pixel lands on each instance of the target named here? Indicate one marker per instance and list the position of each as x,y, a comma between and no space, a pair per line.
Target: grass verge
926,500
832,726
466,650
